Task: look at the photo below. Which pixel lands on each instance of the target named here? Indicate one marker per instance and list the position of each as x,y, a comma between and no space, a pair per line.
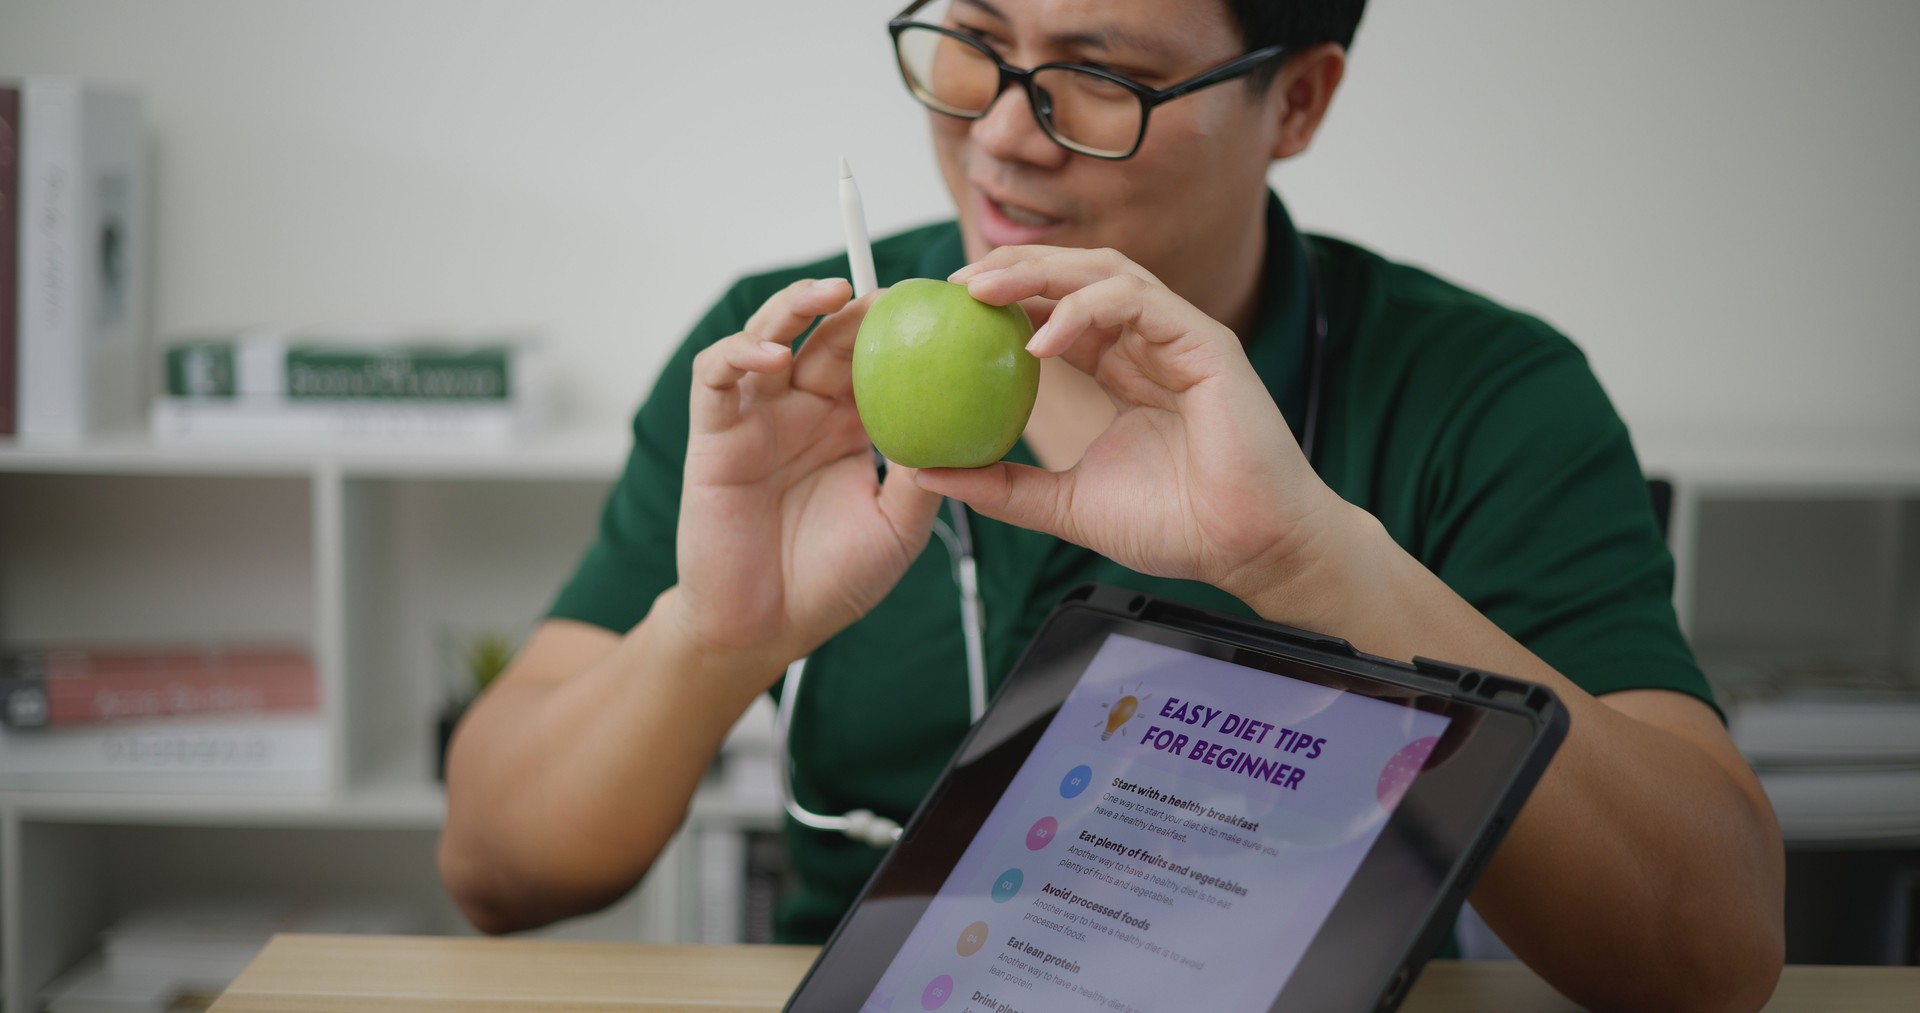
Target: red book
56,687
9,245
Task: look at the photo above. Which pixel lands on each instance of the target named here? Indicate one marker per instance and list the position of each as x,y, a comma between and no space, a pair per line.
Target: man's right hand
571,773
786,534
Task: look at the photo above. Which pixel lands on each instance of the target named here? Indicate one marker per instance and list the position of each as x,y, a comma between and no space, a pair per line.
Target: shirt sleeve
632,559
1540,517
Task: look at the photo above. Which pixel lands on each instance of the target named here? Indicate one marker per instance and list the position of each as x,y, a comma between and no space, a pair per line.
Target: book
191,420
213,753
720,874
297,386
769,876
81,270
9,245
58,687
296,366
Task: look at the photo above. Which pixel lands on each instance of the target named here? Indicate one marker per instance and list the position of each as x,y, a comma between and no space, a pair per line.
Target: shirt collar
1277,347
945,255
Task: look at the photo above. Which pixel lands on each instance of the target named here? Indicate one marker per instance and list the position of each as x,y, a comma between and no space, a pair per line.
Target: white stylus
854,221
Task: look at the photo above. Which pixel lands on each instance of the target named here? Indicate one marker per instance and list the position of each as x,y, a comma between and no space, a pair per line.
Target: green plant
486,656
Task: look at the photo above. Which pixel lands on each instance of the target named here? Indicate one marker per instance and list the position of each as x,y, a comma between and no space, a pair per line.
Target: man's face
1199,173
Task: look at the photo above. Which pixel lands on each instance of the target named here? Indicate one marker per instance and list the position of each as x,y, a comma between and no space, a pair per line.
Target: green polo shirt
1477,435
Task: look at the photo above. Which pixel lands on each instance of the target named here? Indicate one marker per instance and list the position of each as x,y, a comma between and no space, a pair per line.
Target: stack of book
742,870
742,876
73,247
180,955
290,385
160,718
1834,737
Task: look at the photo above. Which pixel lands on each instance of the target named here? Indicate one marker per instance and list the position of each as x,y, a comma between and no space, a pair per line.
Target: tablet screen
1175,839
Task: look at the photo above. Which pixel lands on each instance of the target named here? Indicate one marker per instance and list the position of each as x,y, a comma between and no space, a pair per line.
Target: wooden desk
295,974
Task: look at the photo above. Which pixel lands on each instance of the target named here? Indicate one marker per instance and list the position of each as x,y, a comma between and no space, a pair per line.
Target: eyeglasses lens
959,77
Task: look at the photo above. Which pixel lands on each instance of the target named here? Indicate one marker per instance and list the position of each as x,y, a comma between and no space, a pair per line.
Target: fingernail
827,283
986,275
773,346
1039,337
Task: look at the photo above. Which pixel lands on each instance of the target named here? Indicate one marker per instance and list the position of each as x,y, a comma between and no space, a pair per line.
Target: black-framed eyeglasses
1085,109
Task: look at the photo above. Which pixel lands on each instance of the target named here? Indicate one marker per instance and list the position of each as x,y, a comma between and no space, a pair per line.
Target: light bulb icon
1118,714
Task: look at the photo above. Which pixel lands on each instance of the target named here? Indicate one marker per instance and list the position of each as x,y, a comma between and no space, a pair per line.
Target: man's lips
1005,222
1023,216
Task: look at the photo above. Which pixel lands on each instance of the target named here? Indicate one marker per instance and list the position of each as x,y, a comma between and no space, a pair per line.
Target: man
1471,497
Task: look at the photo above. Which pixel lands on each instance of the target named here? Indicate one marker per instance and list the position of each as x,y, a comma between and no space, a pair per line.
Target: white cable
861,824
865,825
972,617
972,624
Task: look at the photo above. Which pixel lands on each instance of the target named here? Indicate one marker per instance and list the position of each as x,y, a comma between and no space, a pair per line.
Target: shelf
132,454
381,806
1719,462
372,556
1817,464
391,801
579,454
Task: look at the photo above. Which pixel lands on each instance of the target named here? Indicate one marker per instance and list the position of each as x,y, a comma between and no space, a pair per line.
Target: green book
269,366
201,369
414,373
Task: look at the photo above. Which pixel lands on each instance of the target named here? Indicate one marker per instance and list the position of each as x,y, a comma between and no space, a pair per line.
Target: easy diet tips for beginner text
1182,827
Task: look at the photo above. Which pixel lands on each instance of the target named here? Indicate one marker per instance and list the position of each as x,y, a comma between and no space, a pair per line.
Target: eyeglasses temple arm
1225,72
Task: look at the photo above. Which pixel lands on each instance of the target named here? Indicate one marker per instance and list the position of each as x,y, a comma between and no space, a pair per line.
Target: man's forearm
1647,866
562,792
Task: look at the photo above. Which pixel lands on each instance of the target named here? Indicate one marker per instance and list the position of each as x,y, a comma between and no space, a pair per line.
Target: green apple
941,379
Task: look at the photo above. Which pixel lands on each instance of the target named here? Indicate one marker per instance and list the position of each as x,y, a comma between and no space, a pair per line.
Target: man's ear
1305,87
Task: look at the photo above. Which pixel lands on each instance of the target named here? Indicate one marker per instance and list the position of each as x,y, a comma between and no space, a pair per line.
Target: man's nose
1010,132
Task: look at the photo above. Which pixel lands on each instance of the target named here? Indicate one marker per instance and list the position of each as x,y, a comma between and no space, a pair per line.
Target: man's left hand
1197,476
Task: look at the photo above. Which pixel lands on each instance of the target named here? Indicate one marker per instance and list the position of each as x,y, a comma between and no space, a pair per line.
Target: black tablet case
1482,689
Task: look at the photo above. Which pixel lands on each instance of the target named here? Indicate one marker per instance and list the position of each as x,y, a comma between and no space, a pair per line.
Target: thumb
1017,494
908,508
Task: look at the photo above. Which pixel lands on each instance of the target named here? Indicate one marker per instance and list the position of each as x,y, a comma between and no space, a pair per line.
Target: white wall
1715,198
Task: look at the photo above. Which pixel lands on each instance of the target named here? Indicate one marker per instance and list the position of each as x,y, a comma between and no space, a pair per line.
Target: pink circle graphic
1402,769
1042,833
937,992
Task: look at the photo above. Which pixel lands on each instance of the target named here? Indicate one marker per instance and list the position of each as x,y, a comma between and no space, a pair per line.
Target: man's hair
1297,23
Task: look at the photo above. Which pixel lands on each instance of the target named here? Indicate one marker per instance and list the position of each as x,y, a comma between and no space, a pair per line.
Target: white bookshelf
369,557
581,455
1783,551
1799,586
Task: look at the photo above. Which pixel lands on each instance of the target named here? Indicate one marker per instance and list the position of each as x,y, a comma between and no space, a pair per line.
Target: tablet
1167,808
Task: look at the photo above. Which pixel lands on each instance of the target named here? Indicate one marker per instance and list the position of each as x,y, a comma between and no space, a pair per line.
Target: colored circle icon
1402,769
1076,781
1042,833
971,939
1007,885
937,992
